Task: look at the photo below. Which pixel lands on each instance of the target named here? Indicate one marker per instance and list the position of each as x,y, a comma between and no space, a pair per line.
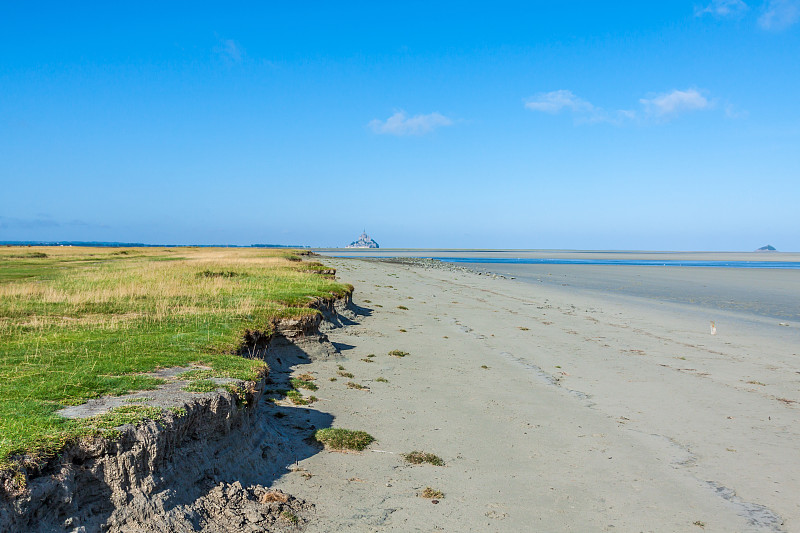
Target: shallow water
771,293
628,262
764,285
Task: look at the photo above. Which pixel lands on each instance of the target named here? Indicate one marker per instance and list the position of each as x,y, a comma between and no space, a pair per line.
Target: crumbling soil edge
129,483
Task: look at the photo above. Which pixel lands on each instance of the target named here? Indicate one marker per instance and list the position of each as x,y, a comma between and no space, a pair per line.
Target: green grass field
80,323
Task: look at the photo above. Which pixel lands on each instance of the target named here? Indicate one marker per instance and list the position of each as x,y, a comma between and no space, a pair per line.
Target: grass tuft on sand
81,323
343,439
298,383
297,398
418,458
432,493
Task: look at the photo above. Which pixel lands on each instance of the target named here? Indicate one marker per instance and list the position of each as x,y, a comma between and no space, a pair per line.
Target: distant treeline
140,245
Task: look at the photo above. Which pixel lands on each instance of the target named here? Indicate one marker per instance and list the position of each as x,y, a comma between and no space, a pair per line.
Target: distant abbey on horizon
363,242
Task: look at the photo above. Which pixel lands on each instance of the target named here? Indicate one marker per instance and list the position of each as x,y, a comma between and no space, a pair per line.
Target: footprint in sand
495,511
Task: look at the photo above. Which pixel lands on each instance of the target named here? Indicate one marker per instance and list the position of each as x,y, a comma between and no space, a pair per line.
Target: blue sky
583,125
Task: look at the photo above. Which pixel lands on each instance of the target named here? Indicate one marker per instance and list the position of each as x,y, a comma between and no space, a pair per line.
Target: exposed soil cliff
203,467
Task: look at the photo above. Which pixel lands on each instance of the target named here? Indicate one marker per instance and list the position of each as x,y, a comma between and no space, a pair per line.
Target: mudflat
555,407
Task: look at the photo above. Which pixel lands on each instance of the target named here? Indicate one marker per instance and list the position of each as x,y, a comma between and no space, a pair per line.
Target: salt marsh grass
80,323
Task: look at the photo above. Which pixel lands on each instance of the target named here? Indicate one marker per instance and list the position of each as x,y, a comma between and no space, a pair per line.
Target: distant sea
754,259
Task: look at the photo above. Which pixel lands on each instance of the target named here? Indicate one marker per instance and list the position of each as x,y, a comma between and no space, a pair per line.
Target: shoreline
558,254
590,413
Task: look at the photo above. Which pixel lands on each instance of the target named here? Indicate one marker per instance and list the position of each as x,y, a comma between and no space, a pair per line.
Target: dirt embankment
202,466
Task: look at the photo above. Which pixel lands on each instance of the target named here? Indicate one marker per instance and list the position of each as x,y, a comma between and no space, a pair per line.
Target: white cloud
722,8
675,102
401,124
659,107
732,112
555,101
229,50
779,14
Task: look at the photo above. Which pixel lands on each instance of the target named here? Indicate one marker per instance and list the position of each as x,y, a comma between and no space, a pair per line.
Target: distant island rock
363,242
767,248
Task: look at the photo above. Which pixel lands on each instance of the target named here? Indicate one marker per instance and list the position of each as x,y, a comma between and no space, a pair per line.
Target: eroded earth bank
205,463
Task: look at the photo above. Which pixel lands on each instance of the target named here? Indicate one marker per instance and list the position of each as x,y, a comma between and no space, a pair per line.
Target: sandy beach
555,408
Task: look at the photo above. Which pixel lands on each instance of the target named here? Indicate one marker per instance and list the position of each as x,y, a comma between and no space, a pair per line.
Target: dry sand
555,409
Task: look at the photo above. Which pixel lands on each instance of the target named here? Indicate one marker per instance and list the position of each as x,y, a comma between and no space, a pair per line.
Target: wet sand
556,407
769,293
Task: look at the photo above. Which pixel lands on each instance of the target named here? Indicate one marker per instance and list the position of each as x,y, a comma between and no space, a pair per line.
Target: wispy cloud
401,124
229,50
732,111
658,107
779,14
675,102
722,8
776,15
555,101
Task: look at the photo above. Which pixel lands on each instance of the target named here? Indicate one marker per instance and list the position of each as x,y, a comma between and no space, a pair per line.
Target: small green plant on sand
484,367
417,458
368,360
345,374
382,380
332,379
398,353
371,355
298,383
298,399
289,517
357,386
340,367
432,493
403,307
343,439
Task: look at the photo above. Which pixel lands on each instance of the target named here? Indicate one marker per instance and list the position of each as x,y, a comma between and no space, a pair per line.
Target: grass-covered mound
417,458
79,323
343,439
